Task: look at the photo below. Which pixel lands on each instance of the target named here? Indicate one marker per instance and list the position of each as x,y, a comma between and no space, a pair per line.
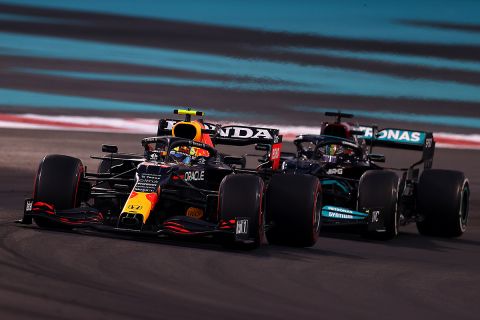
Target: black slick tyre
443,201
241,196
57,182
378,189
294,203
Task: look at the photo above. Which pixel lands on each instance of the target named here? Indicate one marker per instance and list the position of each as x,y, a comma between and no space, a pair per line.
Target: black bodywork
340,175
184,196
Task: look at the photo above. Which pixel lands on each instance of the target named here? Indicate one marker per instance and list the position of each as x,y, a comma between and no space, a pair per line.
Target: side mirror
376,157
232,160
109,148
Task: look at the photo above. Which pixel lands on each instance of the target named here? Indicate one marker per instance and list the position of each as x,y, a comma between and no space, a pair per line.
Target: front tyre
58,183
241,196
378,191
443,201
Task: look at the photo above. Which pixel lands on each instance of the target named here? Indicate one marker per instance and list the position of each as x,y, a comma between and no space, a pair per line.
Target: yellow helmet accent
188,130
189,112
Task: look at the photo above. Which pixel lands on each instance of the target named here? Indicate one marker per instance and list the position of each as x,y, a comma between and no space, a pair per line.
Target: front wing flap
78,217
87,217
372,217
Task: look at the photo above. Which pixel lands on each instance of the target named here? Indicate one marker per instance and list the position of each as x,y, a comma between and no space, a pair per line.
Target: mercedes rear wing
400,139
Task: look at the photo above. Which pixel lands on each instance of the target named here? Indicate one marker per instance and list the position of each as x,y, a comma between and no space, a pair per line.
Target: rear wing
235,135
401,139
266,139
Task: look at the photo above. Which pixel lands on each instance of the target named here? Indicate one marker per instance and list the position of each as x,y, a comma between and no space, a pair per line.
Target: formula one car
182,186
357,191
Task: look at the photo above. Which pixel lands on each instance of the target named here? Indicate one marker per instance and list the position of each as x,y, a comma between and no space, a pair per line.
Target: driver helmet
182,154
333,150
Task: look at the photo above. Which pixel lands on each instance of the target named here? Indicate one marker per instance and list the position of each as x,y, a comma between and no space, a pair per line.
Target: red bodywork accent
175,226
178,177
133,195
38,204
275,155
153,198
341,130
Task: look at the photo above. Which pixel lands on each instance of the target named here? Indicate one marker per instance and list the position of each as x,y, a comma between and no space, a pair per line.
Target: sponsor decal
197,144
147,183
275,155
170,124
236,132
241,227
338,171
245,133
135,207
194,176
193,212
342,213
428,143
395,135
339,215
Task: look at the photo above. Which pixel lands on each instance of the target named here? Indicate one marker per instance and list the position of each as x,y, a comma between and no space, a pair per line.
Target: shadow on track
405,239
209,244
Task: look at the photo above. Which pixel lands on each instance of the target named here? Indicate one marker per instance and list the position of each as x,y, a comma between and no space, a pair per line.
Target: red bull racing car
182,186
358,191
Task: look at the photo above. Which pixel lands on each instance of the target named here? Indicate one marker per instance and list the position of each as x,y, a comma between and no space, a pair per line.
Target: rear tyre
57,183
294,203
443,200
241,196
379,189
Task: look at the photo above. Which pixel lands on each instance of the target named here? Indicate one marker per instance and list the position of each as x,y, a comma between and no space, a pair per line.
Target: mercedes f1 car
358,191
182,186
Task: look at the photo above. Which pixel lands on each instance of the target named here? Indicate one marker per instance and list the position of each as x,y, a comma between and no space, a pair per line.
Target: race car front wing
372,217
88,217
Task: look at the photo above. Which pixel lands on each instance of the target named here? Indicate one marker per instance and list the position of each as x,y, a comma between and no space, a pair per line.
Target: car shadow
405,239
207,243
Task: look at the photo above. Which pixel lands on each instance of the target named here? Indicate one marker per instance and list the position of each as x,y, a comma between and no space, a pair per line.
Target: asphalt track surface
69,275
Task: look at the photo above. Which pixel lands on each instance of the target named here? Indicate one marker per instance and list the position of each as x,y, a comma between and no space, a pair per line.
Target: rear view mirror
376,157
109,148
